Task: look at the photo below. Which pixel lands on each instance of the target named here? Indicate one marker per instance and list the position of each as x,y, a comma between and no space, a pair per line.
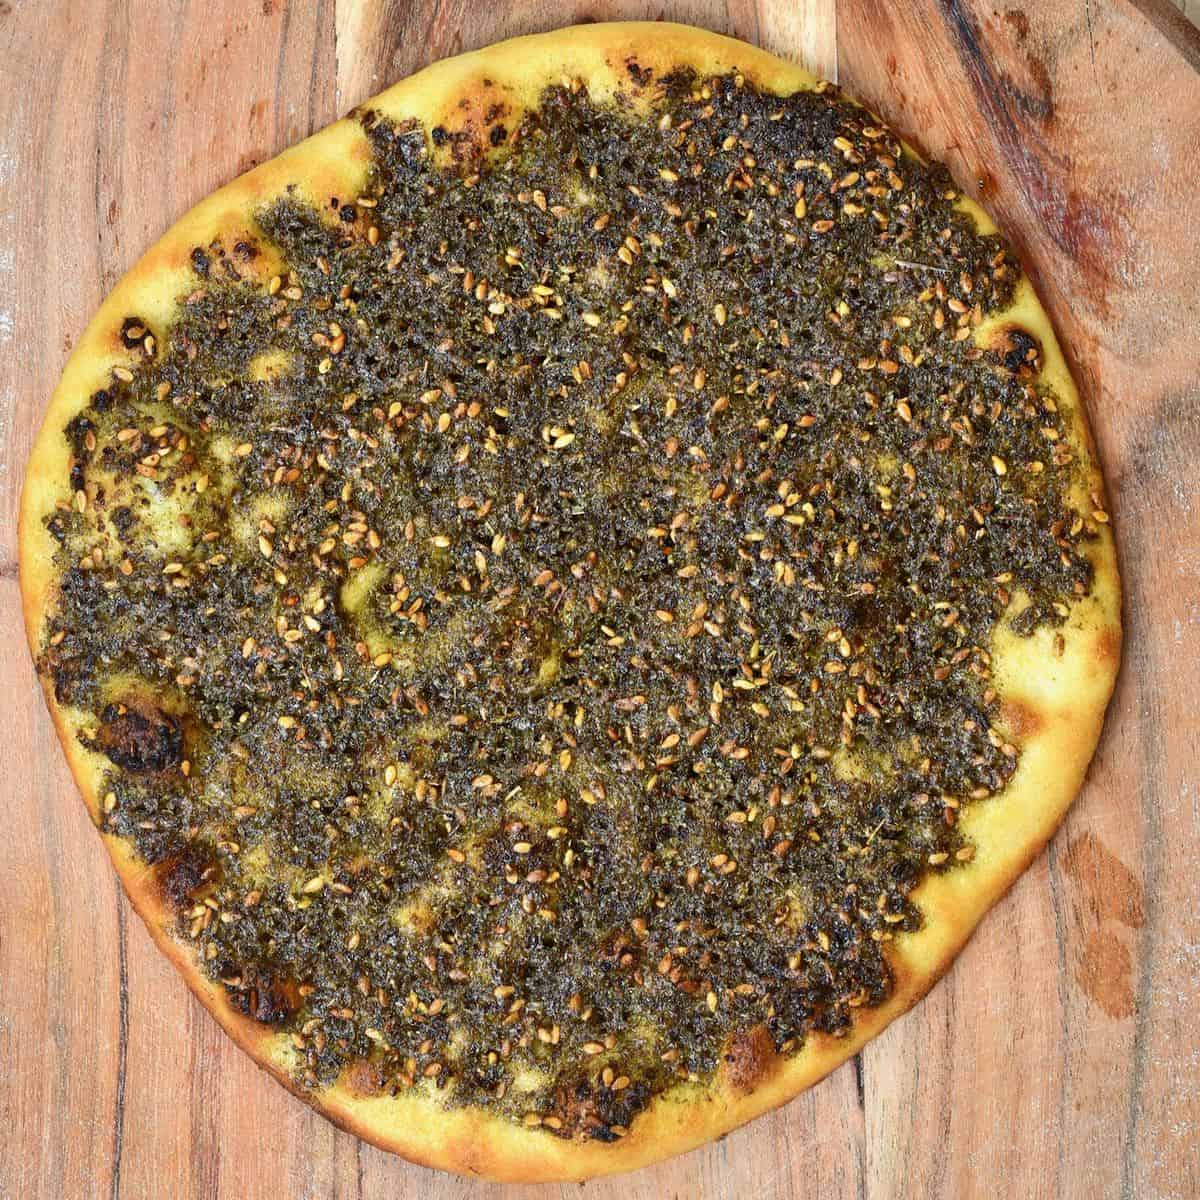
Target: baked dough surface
1053,684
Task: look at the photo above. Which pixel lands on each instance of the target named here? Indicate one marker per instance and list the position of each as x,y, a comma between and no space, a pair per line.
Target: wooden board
1060,1056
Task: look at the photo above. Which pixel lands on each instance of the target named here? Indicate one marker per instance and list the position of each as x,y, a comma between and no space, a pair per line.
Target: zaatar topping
567,590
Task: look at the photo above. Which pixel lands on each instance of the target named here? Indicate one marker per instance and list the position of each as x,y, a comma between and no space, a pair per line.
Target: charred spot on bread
640,75
265,996
599,1107
186,876
363,1078
1020,350
139,737
750,1058
133,331
1022,719
1108,645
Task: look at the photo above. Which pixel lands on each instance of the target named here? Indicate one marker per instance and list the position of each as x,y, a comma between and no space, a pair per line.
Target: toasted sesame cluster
543,635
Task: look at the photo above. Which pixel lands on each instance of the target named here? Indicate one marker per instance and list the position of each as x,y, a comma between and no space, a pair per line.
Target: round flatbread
569,593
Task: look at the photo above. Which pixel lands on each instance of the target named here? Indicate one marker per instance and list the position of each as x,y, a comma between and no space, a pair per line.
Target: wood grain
1083,150
1059,1057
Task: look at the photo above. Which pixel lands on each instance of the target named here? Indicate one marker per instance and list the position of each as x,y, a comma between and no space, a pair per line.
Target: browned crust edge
1055,698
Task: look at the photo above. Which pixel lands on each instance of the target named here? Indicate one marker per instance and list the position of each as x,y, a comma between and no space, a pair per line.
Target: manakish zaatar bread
569,593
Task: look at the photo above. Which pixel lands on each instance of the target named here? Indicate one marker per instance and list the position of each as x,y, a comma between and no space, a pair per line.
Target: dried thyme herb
570,644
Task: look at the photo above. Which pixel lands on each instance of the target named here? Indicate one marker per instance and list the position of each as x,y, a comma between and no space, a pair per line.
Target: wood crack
122,1048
